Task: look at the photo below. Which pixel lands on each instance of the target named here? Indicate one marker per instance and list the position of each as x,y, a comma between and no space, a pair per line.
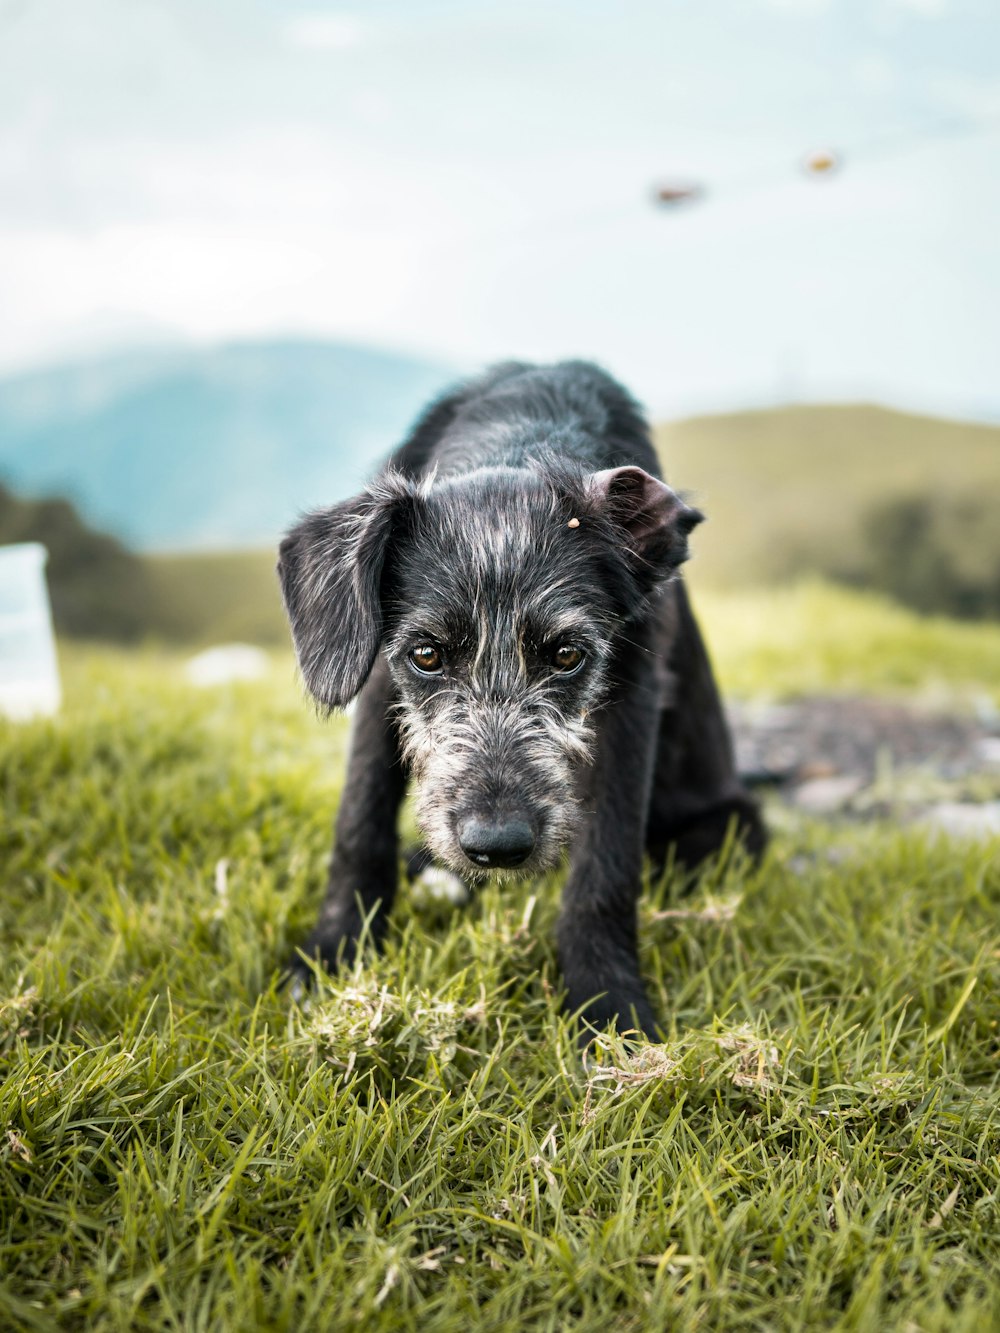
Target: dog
503,600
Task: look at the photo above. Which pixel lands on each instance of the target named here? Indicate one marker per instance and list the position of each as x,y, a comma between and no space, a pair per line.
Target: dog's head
497,597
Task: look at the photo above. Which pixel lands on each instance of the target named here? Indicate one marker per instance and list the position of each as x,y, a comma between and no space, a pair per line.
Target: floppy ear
656,519
330,567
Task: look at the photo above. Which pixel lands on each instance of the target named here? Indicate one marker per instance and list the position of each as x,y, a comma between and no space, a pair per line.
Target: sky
473,181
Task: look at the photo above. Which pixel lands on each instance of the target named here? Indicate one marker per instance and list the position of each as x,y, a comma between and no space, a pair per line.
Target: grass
812,637
815,1145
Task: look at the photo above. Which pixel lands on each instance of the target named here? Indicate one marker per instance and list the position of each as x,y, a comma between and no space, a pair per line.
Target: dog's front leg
364,864
597,934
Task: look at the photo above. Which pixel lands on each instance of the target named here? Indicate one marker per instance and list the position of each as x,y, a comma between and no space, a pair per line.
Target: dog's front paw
631,1018
297,979
298,975
325,948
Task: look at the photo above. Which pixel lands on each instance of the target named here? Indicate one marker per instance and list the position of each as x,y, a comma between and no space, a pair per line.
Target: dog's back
514,413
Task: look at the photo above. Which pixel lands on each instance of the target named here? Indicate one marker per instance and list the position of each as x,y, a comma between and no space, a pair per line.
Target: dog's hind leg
697,800
364,864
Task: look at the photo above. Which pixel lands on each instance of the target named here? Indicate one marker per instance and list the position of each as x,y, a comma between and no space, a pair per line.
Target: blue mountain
209,448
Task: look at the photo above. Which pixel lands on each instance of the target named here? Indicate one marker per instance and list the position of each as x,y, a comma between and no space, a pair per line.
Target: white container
29,672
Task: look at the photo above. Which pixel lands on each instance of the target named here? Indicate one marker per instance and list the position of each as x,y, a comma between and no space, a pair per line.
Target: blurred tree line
938,554
99,588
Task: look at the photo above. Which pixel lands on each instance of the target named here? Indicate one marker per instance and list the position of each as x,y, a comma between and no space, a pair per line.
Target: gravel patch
859,757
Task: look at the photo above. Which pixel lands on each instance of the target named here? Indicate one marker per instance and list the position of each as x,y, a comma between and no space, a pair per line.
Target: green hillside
216,597
796,489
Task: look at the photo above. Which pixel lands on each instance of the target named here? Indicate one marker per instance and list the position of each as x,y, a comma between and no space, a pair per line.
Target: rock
816,768
988,750
963,819
823,795
435,884
227,662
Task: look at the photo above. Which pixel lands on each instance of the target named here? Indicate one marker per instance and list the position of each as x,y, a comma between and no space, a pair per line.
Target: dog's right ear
330,567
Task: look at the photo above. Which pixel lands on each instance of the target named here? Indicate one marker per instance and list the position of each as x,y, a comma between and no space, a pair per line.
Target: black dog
504,597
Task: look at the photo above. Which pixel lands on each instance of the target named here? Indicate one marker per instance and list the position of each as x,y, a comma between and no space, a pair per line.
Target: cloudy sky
472,180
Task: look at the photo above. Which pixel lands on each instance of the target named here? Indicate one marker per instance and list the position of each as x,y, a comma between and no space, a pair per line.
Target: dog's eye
426,659
567,658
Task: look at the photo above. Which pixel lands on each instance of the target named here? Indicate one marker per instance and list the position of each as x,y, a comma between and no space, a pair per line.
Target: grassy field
815,1145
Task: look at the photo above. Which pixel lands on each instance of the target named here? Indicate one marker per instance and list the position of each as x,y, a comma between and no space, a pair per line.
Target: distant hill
808,488
208,448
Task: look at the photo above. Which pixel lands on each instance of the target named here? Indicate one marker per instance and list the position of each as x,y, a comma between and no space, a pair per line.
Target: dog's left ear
656,519
330,567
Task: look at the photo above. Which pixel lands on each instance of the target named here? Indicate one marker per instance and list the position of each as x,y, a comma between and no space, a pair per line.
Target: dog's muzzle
500,844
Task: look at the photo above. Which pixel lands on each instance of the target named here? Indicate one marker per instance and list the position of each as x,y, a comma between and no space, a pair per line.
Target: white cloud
326,32
800,6
874,73
926,8
207,280
968,95
485,195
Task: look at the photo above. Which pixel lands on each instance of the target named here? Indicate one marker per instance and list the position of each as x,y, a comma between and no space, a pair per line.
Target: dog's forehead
498,540
499,523
494,512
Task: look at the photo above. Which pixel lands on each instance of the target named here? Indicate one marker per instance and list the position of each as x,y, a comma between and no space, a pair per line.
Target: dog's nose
488,844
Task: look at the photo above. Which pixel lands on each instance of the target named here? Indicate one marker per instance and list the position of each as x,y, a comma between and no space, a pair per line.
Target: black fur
522,548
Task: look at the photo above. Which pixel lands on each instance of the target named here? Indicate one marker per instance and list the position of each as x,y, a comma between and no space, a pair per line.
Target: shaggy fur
504,600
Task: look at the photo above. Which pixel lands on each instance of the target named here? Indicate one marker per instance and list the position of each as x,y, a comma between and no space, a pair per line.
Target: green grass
815,1145
811,637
